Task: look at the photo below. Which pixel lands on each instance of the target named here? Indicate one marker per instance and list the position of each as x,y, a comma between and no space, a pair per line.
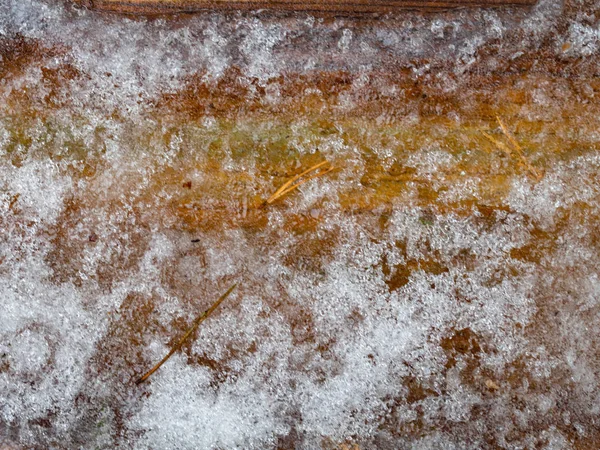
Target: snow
455,313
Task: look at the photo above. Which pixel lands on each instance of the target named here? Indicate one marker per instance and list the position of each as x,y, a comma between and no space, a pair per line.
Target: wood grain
329,6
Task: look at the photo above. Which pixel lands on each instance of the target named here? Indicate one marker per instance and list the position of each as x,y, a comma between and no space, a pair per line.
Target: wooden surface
332,6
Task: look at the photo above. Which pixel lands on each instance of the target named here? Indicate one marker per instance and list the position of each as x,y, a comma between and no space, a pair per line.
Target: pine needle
501,145
300,183
518,150
291,184
514,148
188,333
508,134
280,191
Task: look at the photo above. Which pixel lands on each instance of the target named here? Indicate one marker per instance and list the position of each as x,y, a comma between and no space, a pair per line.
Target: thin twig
289,185
188,333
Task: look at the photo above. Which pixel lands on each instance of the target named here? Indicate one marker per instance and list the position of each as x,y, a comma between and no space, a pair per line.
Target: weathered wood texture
330,6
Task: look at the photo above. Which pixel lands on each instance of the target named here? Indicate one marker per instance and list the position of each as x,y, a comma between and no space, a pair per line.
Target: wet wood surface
409,151
329,6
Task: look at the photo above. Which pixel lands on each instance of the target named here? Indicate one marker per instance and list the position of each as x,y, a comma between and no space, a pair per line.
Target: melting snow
392,326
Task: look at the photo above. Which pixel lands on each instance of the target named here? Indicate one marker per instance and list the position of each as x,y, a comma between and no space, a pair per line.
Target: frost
40,188
584,39
186,412
345,40
427,293
258,47
430,162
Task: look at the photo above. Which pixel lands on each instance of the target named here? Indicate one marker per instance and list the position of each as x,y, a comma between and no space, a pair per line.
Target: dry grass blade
515,148
188,333
501,145
509,135
280,191
300,183
289,185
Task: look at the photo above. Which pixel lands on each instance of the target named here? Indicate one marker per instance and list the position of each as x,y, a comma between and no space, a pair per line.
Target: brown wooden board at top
331,6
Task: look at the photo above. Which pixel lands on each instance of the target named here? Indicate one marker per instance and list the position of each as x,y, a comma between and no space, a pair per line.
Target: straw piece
519,150
508,134
289,185
279,191
515,148
300,183
501,145
188,333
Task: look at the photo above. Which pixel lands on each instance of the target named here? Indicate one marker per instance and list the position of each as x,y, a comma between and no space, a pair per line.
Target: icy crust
340,373
466,321
482,337
454,323
125,64
242,411
46,330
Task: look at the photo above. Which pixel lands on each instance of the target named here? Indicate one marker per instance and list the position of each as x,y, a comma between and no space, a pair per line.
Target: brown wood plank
330,6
